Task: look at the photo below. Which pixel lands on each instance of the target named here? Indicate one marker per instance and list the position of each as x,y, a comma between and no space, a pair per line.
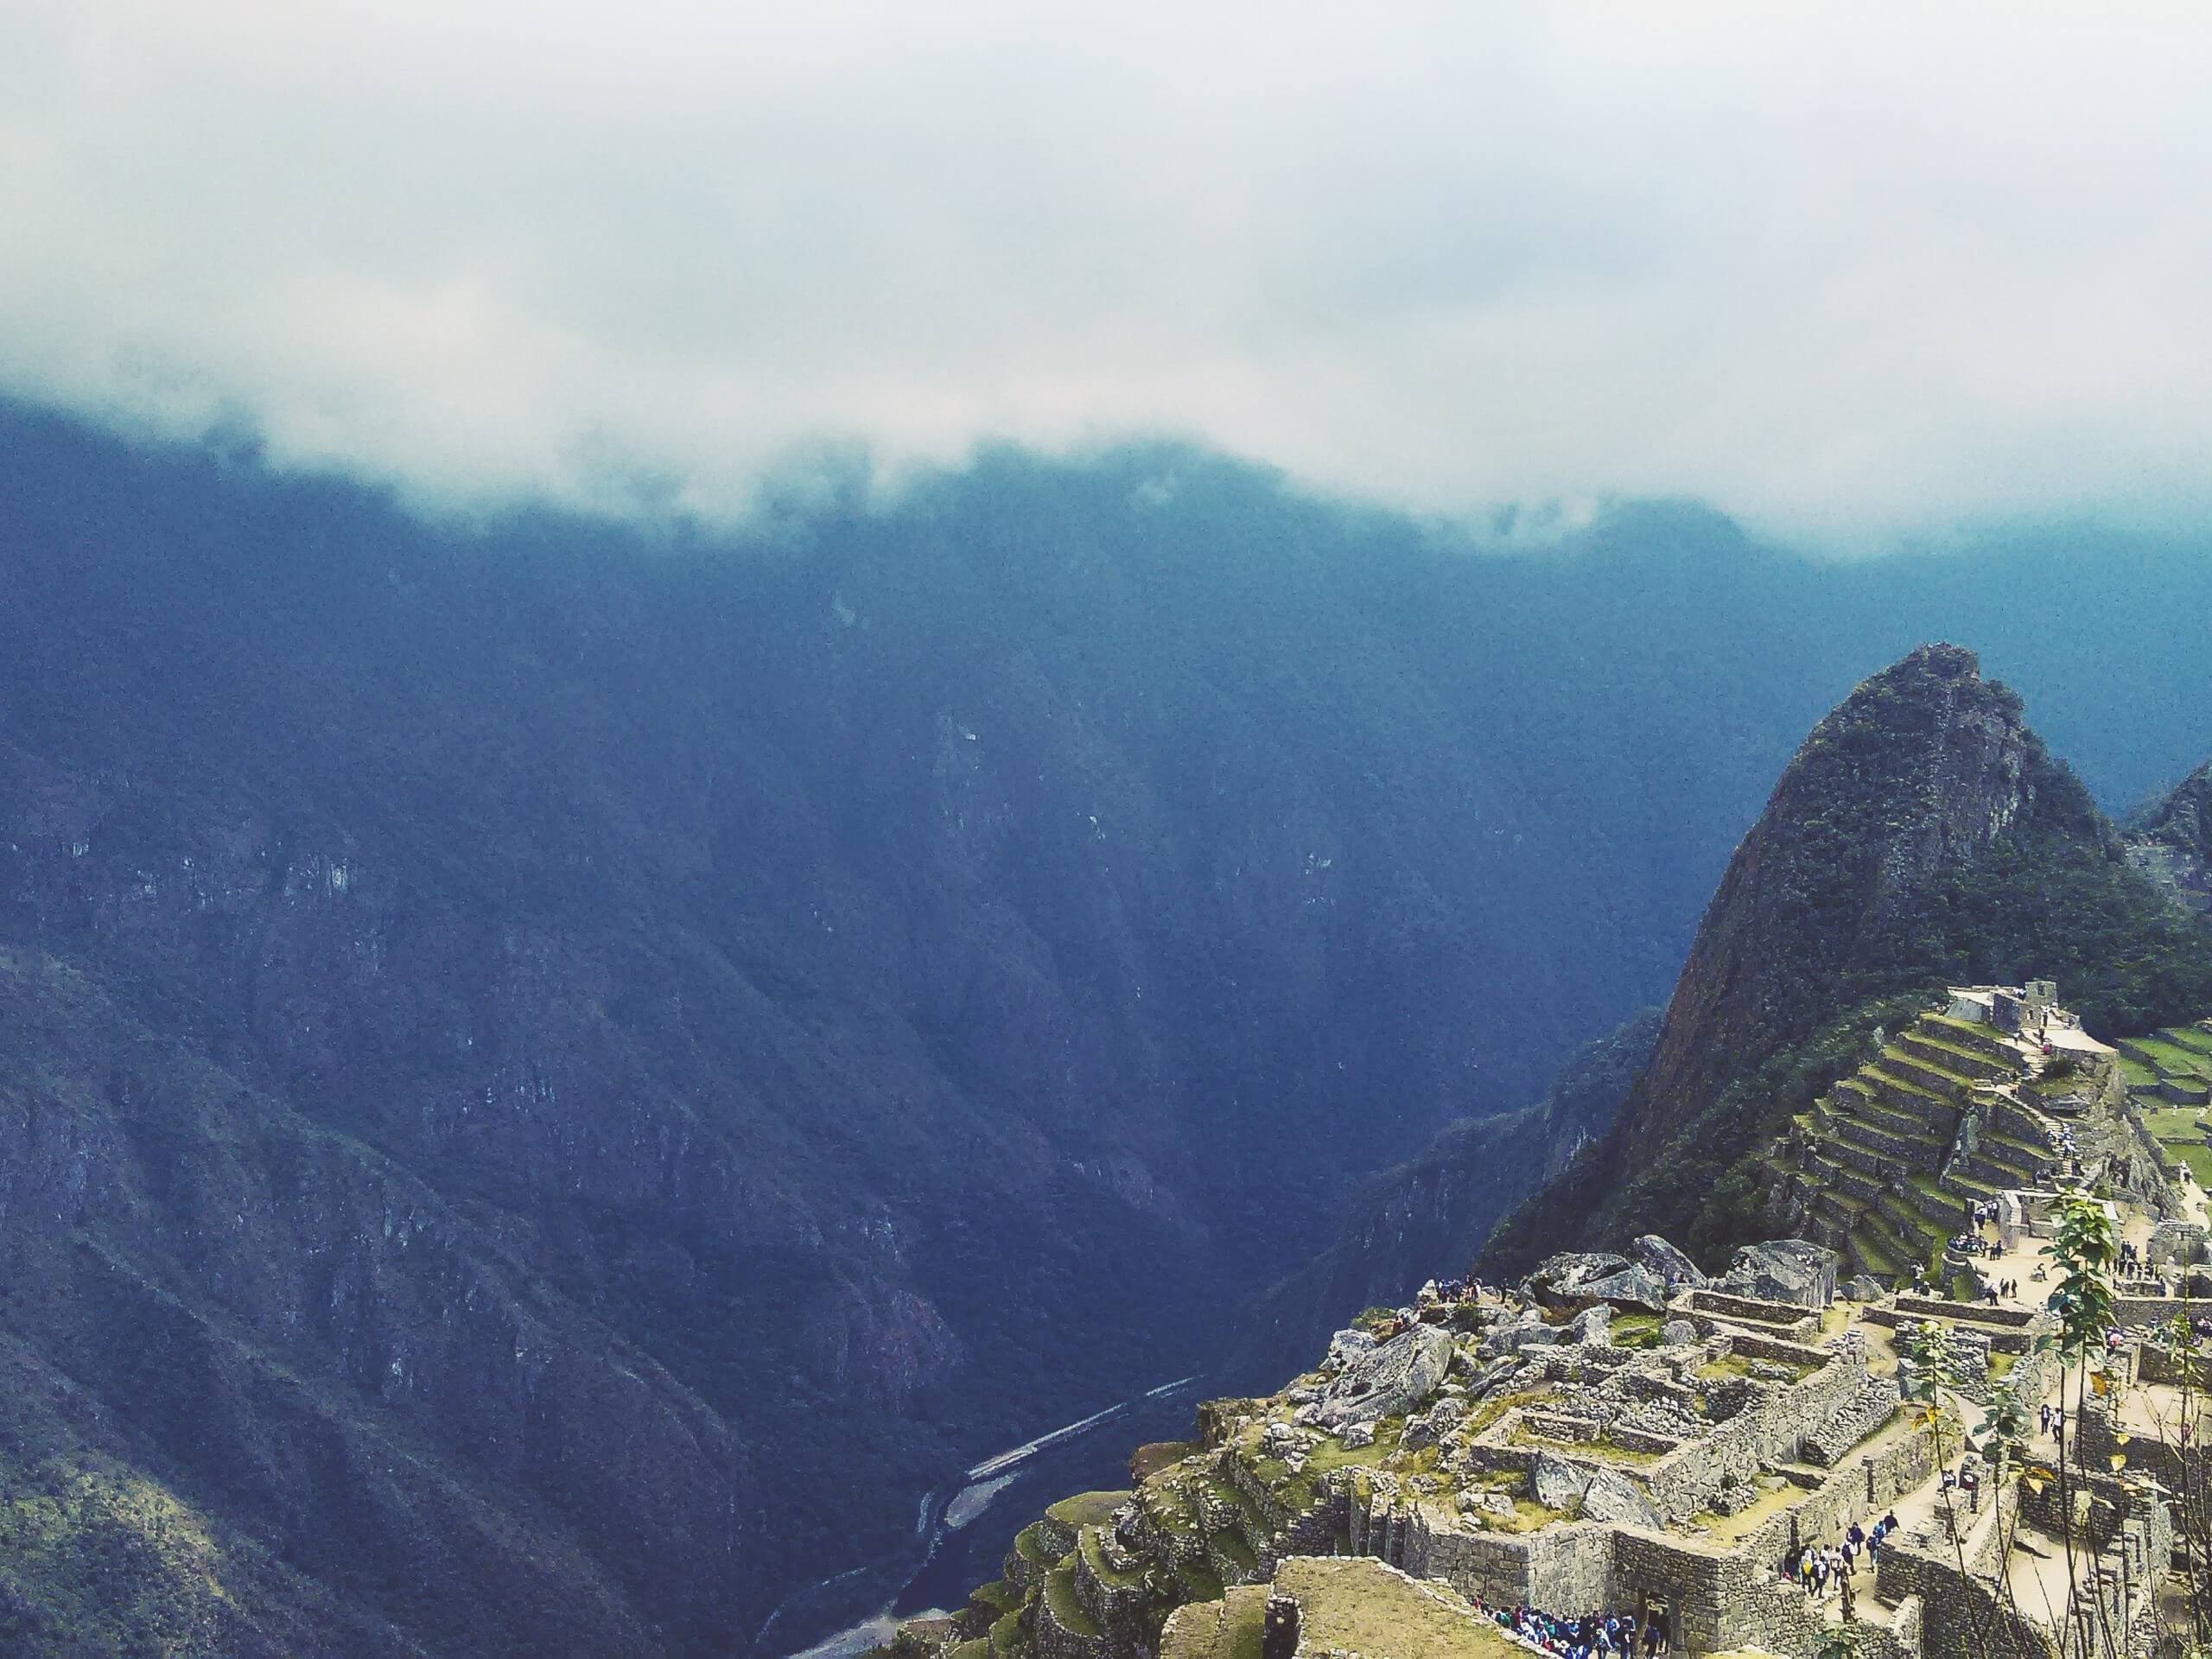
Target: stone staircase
1870,1156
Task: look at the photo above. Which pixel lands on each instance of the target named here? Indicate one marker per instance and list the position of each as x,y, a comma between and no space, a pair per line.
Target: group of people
2008,1289
1823,1568
2134,1266
1593,1636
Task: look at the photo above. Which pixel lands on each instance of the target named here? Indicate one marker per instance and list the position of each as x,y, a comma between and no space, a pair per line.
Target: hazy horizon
1855,283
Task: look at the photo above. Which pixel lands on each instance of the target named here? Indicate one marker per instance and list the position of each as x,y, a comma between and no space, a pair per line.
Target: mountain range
560,1075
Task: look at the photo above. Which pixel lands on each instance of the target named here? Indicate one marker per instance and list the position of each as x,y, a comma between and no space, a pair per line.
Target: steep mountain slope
1923,832
565,1077
870,994
2173,843
1426,1218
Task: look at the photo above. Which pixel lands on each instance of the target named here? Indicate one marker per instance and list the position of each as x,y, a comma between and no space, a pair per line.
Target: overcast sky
1849,271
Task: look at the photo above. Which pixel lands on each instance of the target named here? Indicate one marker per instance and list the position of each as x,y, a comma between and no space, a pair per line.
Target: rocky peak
1918,771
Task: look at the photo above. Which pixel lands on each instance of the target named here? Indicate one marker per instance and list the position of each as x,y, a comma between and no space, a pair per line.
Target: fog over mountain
1862,279
665,1026
747,750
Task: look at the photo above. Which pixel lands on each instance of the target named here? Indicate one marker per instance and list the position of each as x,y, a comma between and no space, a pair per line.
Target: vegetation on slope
1922,836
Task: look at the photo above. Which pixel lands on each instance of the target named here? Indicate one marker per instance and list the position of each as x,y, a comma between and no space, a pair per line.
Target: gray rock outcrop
1785,1271
1387,1379
1562,1280
1666,1263
1632,1287
1595,1494
1512,1336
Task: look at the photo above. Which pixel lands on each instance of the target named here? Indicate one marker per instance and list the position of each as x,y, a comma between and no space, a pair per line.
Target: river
965,1528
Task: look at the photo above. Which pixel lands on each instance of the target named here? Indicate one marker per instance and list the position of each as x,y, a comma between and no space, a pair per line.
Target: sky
1853,274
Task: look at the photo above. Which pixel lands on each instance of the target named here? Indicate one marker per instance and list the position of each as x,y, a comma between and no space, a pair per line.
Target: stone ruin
1620,1432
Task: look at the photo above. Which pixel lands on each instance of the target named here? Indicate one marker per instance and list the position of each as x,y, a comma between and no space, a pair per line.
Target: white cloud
1843,270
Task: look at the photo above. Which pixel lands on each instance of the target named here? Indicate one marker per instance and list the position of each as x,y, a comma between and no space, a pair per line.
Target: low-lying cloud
1846,271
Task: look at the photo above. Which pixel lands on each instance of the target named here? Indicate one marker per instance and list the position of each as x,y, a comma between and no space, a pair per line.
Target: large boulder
1611,1496
1594,1494
1666,1263
1677,1333
1556,1483
1632,1287
1593,1325
1514,1335
1785,1271
1345,1347
1562,1280
1387,1379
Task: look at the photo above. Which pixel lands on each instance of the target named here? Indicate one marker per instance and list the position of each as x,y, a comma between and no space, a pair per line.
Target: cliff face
1921,834
2173,845
560,1082
1916,773
1426,1218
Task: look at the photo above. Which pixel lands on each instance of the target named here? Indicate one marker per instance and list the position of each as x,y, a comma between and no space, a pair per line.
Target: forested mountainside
2173,843
1921,834
1426,1218
557,1078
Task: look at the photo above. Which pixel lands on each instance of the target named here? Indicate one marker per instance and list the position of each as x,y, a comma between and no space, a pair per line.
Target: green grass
2177,1124
1972,1056
998,1595
1032,1546
2137,1074
2189,1037
1086,1509
1638,1329
2174,1059
1906,1084
1233,1550
1059,1596
1196,1581
1090,1546
1358,1605
2198,1157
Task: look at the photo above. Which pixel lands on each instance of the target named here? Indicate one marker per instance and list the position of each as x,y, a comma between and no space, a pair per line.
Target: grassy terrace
1358,1605
1059,1596
1884,1072
1974,1060
1087,1509
2198,1157
2175,1058
2182,1052
998,1596
1091,1546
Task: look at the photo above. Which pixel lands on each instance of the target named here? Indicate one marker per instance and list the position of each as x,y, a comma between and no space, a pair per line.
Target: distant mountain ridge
556,1080
2173,843
1426,1218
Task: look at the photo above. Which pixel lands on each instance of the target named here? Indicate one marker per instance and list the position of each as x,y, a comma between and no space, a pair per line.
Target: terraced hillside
2170,1083
1880,1166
